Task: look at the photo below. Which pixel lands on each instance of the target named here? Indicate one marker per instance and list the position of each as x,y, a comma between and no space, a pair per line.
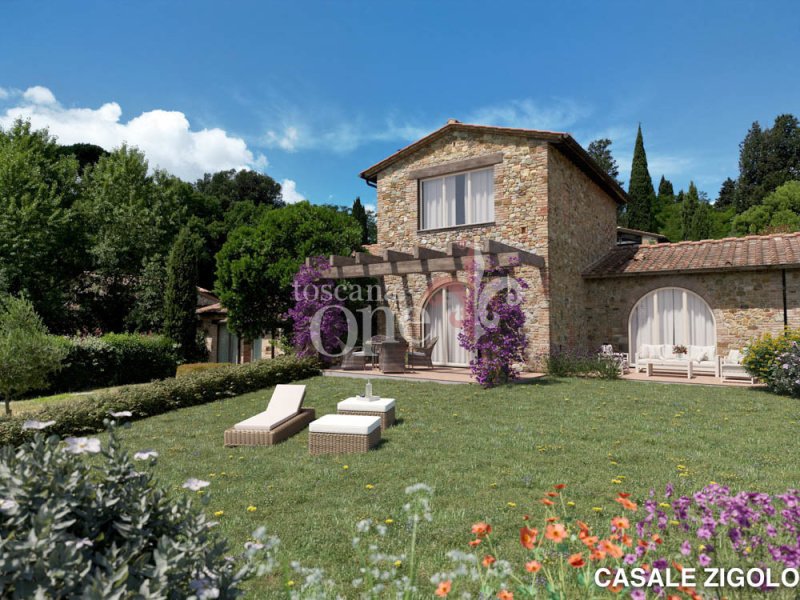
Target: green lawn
479,449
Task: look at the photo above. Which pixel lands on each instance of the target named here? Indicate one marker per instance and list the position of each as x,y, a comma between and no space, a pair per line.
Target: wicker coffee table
383,408
343,434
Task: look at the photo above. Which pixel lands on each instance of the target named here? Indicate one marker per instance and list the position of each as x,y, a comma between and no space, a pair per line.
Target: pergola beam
427,260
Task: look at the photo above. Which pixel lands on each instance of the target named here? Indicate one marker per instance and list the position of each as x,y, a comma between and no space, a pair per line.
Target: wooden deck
681,378
435,375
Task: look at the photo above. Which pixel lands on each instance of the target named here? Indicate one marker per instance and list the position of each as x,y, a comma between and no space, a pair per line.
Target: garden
507,457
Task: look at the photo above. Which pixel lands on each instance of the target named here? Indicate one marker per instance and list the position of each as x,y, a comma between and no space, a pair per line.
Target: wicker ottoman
379,407
343,434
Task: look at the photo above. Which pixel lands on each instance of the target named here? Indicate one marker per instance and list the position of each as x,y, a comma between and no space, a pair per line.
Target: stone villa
538,195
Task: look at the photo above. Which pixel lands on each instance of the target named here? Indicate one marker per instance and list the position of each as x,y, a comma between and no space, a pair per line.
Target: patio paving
697,379
436,375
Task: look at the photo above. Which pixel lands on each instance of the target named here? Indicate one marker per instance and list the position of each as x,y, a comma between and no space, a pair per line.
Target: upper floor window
460,199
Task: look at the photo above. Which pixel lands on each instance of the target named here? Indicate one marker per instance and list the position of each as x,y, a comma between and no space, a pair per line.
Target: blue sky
314,92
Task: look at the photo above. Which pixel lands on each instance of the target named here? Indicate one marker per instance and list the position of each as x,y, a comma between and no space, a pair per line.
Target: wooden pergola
426,260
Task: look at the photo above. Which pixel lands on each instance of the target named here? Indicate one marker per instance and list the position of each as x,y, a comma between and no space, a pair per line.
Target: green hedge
113,359
86,415
191,368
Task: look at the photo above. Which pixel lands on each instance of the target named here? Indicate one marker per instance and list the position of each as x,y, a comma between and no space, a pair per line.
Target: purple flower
629,559
704,560
637,594
686,548
660,564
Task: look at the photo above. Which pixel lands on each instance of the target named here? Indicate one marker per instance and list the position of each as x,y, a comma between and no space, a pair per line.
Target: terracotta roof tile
751,252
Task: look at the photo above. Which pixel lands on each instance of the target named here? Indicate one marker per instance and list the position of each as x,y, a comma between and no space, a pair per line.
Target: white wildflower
81,445
8,505
38,425
195,484
145,454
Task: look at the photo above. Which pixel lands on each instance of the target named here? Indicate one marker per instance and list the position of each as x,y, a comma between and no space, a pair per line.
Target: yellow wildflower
511,504
251,508
369,486
345,467
398,563
219,513
389,521
597,508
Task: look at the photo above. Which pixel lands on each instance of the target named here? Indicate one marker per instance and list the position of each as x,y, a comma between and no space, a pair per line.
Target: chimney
452,121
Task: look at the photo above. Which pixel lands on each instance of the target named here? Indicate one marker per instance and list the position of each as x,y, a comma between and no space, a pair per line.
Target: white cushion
734,357
667,351
285,403
361,404
351,424
701,353
650,351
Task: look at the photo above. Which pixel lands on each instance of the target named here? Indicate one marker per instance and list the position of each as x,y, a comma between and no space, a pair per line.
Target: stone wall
582,227
745,304
520,198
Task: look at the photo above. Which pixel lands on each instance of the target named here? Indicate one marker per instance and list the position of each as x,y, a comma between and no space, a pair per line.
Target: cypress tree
665,190
180,296
691,202
727,194
359,213
641,192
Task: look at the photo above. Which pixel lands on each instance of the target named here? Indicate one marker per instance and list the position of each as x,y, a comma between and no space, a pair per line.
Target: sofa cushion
701,353
649,351
361,404
350,424
734,357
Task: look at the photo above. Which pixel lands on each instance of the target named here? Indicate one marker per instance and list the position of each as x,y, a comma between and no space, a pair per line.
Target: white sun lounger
283,418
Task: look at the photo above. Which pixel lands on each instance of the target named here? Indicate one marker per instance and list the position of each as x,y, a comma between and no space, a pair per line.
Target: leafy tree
767,159
41,241
360,215
234,186
600,151
701,222
86,154
642,195
28,353
666,192
780,212
257,264
131,216
180,297
147,313
727,194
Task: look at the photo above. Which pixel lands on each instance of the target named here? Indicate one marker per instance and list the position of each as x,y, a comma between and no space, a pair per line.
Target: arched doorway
442,317
671,316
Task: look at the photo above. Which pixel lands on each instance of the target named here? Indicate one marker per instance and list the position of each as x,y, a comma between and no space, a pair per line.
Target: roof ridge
725,239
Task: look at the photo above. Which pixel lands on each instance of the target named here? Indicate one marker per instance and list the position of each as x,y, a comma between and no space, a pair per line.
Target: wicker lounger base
342,443
387,418
254,437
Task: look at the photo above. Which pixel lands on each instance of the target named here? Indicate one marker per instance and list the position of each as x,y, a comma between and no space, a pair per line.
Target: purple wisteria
312,298
493,325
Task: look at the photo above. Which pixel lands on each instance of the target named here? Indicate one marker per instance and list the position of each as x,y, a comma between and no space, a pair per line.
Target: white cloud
370,207
290,193
39,95
4,93
166,137
527,114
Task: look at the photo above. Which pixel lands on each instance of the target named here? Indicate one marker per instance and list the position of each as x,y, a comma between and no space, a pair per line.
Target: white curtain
432,204
672,316
480,208
435,327
449,217
455,313
443,315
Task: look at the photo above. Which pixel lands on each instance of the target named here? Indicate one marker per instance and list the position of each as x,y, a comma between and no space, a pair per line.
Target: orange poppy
526,517
620,522
533,566
627,540
552,519
553,494
444,589
626,504
546,502
488,560
555,533
597,554
474,543
615,588
657,539
560,486
590,540
582,525
481,529
576,560
505,595
527,537
678,566
611,548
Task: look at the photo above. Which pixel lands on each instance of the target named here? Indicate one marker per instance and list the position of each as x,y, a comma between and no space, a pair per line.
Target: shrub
784,377
71,529
114,359
189,368
142,358
571,363
86,415
761,356
28,354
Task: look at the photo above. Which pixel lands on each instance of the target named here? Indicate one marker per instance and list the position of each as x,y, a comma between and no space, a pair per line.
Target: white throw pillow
667,351
734,357
697,353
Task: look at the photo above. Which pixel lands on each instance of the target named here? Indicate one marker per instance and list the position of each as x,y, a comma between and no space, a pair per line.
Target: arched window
441,318
671,316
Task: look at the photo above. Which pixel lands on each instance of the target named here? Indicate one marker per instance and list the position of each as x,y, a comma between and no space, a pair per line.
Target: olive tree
28,353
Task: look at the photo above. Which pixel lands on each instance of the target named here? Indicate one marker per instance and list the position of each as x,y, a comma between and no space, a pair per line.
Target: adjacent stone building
541,195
